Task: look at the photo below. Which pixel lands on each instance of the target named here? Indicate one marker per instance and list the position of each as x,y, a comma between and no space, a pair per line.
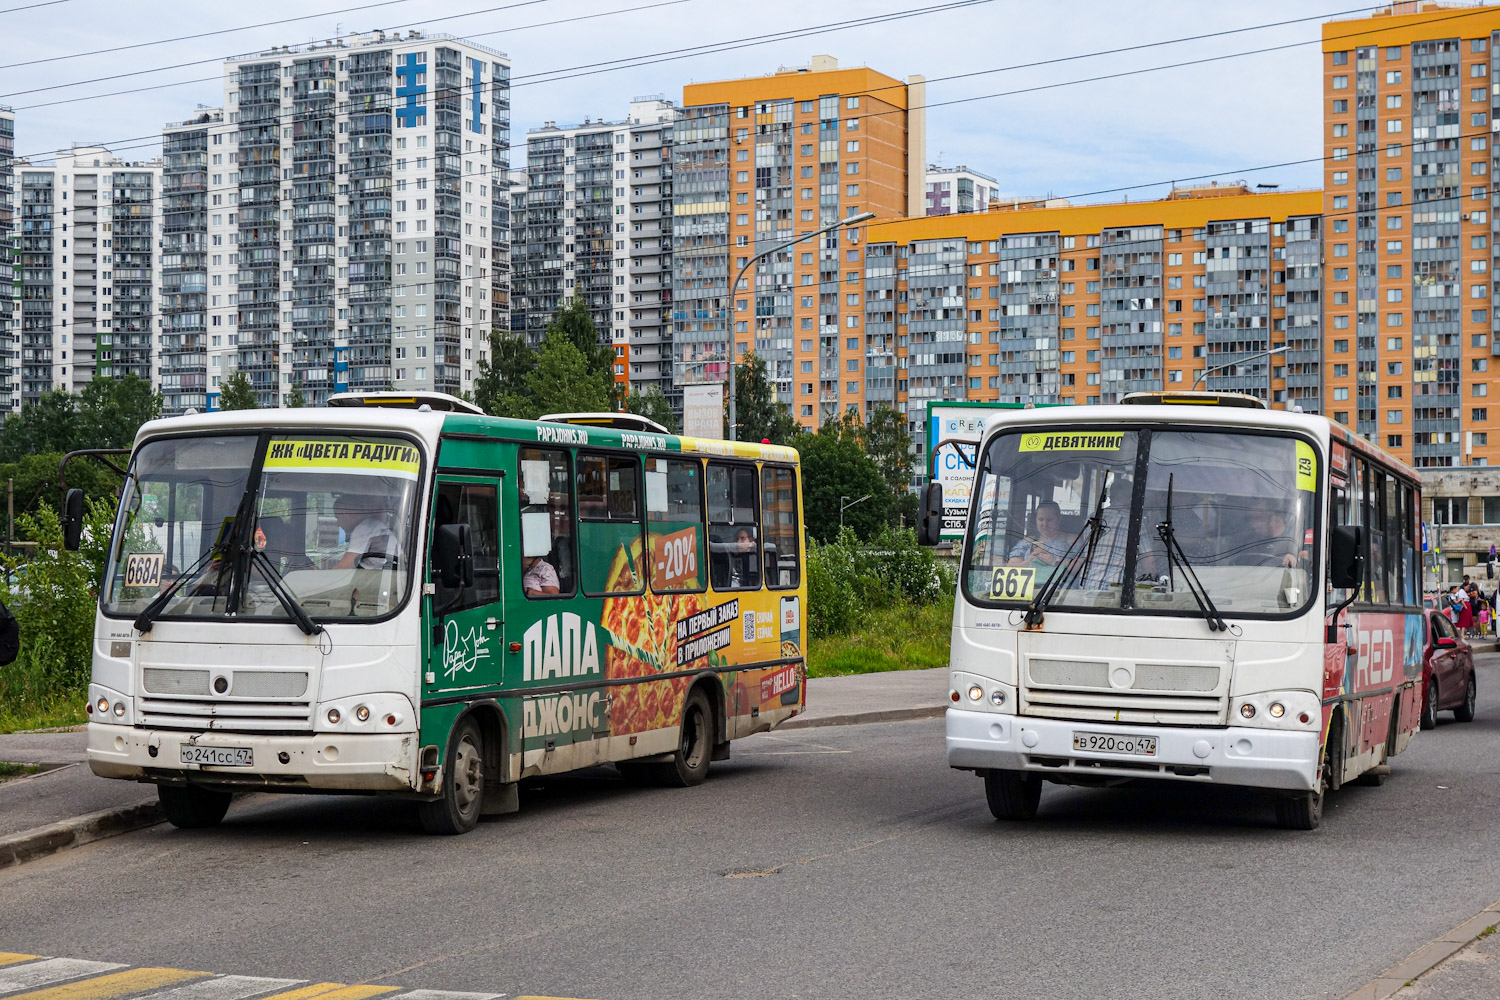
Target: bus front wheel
189,807
1012,795
457,809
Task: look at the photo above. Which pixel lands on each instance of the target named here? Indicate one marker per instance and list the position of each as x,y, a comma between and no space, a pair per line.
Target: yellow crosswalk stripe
10,958
116,984
327,991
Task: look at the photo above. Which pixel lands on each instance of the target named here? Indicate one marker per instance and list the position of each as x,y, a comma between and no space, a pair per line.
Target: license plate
1140,746
218,756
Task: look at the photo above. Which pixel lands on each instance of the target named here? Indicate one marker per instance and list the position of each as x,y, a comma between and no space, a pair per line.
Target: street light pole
845,506
1231,364
734,286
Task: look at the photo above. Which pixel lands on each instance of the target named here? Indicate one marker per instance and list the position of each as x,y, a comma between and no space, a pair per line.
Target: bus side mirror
453,556
72,521
1346,561
930,519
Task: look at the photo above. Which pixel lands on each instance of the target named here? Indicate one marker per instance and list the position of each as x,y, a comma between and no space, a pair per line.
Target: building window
1450,510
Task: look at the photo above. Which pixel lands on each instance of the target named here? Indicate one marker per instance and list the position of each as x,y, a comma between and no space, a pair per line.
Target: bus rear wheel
189,807
688,765
457,809
1012,795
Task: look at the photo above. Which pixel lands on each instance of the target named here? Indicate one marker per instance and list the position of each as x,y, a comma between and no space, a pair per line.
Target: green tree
500,390
34,479
111,410
653,405
563,381
49,424
888,443
759,415
296,399
236,393
576,323
836,470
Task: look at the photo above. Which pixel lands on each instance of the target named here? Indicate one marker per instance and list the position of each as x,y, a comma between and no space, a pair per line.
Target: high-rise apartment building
1083,304
10,265
953,190
186,325
593,222
359,193
90,285
1410,210
757,162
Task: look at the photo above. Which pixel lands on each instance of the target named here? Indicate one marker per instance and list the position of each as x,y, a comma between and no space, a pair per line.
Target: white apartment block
956,190
90,283
593,222
357,213
10,265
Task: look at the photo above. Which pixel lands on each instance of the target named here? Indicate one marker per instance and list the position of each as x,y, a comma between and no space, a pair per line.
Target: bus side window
734,554
778,486
546,495
609,524
674,525
475,505
1411,589
1379,547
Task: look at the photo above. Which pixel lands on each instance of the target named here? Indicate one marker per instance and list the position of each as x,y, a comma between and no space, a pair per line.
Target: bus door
464,616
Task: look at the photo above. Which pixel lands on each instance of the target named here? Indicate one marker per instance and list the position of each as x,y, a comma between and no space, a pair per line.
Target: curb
1425,958
44,840
864,718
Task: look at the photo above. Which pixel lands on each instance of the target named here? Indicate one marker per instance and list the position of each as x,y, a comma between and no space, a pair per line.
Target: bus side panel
1382,664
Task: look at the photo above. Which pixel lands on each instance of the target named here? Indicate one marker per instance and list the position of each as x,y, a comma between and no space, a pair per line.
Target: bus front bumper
329,762
1263,758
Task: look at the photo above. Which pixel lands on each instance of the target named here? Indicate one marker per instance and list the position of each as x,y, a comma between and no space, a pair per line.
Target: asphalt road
840,862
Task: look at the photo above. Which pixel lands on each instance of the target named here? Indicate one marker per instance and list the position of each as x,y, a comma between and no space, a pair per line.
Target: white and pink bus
1188,588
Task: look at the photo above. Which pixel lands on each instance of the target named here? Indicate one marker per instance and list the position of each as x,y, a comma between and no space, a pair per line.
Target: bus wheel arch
458,806
712,685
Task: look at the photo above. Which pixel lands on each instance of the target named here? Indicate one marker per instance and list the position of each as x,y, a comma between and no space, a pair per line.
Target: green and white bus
401,595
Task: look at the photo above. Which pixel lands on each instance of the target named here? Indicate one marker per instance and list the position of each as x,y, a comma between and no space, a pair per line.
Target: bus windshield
1092,507
327,520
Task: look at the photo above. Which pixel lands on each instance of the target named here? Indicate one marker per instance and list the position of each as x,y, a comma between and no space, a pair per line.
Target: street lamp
1231,364
845,506
852,220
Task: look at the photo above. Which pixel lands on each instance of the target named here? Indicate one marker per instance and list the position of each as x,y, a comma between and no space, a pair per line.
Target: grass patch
9,770
902,637
34,694
57,712
1487,932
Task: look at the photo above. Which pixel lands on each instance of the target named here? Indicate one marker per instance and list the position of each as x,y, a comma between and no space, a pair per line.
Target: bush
53,594
847,581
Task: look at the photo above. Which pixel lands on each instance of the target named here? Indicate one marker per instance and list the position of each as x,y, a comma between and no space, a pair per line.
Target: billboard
953,431
703,410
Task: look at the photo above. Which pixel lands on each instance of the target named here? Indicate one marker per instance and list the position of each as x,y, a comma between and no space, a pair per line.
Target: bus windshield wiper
1065,570
147,617
277,584
1176,558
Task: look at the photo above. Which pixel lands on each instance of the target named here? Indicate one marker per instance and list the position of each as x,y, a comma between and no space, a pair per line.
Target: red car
1447,672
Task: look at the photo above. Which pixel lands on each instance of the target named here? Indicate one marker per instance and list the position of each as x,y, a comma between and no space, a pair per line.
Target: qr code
749,619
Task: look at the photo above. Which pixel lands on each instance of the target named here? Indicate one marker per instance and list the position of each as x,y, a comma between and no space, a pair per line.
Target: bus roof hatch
619,421
405,401
1191,398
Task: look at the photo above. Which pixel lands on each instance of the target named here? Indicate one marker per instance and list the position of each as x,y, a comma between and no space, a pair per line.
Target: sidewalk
68,806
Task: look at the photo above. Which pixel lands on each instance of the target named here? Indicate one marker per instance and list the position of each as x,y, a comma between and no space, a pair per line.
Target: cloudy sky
1077,136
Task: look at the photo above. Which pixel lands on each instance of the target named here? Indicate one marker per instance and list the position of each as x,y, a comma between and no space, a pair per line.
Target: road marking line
332,991
10,958
116,984
546,998
223,988
51,970
445,995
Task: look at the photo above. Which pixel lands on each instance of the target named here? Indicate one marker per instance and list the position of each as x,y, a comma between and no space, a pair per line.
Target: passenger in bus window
561,556
1049,545
1263,541
540,578
744,561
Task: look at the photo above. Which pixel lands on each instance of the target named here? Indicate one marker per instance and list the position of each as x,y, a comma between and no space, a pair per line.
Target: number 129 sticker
1012,583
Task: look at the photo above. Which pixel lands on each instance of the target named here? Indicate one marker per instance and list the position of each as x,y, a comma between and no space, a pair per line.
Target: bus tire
695,746
1465,712
191,807
1429,705
1304,810
1012,795
457,809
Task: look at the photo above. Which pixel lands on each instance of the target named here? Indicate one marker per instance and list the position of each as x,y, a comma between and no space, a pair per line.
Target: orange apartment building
1409,213
757,162
1061,304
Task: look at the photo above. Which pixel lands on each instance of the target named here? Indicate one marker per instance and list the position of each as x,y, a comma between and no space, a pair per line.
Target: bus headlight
1277,709
119,709
1293,710
1247,711
997,697
362,713
334,715
975,692
103,706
